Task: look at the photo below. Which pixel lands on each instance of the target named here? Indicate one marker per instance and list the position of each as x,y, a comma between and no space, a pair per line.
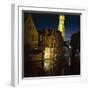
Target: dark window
32,37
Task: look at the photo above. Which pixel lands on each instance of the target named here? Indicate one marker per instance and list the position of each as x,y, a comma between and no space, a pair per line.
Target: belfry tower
61,27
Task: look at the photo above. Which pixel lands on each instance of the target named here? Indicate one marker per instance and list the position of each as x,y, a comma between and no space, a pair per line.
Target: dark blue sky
72,25
43,20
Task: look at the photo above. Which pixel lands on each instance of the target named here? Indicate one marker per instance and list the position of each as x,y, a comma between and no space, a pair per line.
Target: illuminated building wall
61,24
30,33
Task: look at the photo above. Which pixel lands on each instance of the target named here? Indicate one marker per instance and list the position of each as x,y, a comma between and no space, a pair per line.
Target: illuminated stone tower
61,24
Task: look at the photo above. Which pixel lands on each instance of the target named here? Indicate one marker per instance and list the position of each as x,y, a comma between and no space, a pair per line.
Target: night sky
72,25
43,20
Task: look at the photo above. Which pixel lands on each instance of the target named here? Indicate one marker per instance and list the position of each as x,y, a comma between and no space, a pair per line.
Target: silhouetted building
75,56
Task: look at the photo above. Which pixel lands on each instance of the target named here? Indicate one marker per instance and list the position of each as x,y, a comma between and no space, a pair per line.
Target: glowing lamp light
47,59
47,65
47,53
